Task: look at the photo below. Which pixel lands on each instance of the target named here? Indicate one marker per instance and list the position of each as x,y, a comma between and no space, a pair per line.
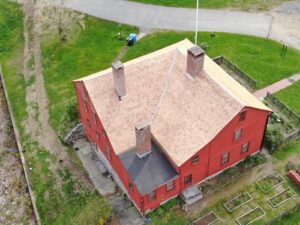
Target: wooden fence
284,108
250,81
17,137
278,218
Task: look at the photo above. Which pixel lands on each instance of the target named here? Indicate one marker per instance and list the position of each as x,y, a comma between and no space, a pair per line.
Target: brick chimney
195,61
119,79
143,140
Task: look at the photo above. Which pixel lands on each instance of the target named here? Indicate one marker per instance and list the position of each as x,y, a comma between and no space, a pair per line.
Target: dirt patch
37,124
15,205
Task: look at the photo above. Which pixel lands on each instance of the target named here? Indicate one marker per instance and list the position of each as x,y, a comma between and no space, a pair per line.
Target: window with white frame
245,147
170,186
152,196
225,158
238,134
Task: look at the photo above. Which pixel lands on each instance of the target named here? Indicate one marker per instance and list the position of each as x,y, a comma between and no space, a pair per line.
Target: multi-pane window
245,147
170,185
195,159
97,136
238,134
108,153
188,179
88,123
104,133
242,116
225,158
94,118
152,196
85,105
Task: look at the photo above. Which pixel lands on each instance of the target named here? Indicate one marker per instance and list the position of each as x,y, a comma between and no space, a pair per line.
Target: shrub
273,138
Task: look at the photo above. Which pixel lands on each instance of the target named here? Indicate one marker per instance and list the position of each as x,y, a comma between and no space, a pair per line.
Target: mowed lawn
291,96
60,198
261,59
95,48
90,51
245,5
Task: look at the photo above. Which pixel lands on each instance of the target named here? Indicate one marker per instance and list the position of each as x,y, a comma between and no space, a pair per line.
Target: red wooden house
168,120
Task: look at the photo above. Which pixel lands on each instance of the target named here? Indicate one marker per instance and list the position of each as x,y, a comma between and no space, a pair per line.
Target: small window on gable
245,147
85,105
242,116
195,159
152,196
85,92
97,136
238,134
104,133
95,118
170,186
188,179
88,123
225,158
108,153
130,185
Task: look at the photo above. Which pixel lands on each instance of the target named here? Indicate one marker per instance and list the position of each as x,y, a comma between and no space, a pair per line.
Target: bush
273,138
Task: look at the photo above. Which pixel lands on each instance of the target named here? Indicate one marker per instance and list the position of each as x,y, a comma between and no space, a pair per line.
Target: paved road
150,16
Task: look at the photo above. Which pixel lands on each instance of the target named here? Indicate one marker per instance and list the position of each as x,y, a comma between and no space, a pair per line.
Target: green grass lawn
259,58
292,218
245,5
90,51
291,96
60,199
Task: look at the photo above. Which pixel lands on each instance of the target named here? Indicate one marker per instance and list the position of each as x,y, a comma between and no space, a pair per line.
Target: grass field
294,101
91,50
245,5
292,218
259,58
60,199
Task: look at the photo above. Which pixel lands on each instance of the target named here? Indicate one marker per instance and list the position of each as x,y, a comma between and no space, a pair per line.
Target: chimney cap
142,126
117,65
196,51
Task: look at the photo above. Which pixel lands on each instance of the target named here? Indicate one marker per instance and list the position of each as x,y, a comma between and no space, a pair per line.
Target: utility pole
197,18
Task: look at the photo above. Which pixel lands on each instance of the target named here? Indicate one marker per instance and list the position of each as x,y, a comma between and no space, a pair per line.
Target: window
195,159
225,158
245,147
130,185
170,186
108,153
188,179
104,133
152,196
88,123
242,116
94,117
97,136
85,92
85,105
238,134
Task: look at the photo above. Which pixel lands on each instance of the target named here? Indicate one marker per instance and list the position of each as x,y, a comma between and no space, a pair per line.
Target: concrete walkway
261,94
159,17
